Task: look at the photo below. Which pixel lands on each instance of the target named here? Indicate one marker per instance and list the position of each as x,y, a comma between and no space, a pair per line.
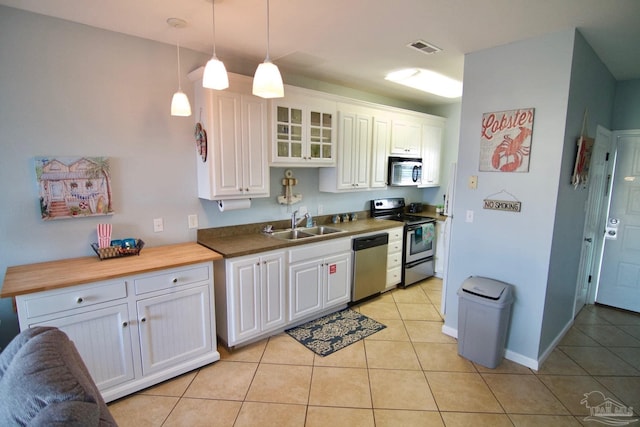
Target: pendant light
267,82
215,74
179,103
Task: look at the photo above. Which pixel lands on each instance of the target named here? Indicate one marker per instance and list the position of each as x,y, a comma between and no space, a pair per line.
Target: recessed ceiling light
427,81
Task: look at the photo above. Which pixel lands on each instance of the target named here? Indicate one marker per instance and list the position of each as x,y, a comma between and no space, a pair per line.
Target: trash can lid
484,287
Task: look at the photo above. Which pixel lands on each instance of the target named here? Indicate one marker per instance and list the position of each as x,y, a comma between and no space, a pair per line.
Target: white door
619,284
337,272
592,234
174,328
305,290
273,291
107,357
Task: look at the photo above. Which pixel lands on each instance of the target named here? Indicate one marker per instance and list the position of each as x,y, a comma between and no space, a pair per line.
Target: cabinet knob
175,280
79,300
144,319
125,324
247,190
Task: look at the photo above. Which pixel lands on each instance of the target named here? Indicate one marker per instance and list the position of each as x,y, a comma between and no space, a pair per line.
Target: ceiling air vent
424,47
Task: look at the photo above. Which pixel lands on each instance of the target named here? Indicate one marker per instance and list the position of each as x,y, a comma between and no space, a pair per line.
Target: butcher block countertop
44,276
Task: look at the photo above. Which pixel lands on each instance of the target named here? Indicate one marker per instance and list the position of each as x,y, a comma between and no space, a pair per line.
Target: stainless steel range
419,238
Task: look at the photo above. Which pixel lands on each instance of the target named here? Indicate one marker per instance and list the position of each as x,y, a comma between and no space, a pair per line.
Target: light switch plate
193,221
473,182
158,225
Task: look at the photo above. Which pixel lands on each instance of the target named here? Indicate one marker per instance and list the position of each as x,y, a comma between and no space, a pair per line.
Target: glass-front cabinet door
304,131
320,135
289,132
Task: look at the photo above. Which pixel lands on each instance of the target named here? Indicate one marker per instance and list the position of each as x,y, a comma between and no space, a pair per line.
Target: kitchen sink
292,234
321,230
305,233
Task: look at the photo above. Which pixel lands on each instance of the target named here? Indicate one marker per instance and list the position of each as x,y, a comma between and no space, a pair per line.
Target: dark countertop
248,239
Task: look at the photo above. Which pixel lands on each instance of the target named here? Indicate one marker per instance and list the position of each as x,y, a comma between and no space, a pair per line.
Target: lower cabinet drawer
394,260
394,276
78,297
177,277
395,247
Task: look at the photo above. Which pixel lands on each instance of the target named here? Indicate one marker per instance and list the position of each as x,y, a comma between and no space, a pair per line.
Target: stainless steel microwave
404,171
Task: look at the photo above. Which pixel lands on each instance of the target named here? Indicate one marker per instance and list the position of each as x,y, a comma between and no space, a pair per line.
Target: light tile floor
408,374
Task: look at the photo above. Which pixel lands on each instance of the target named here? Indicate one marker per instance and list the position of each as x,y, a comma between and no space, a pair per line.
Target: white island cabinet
134,330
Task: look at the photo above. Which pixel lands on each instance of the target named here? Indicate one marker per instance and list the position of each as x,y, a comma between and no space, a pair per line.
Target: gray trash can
483,318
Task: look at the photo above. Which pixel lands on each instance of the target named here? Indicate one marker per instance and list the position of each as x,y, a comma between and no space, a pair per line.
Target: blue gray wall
591,91
626,113
535,250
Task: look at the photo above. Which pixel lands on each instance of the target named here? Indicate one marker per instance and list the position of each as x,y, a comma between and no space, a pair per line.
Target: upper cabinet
363,145
432,132
235,163
303,129
406,136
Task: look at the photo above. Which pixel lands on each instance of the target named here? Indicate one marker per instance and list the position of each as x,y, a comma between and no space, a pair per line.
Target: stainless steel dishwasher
369,266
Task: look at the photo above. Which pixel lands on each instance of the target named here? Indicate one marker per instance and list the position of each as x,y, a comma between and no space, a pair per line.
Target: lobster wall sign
505,143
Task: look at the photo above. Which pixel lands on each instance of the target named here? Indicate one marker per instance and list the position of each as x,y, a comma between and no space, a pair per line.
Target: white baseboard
510,355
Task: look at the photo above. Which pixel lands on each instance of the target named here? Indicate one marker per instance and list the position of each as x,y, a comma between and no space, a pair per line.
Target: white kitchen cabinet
250,295
302,129
319,278
380,151
432,131
363,144
406,136
108,359
235,122
135,331
174,327
394,257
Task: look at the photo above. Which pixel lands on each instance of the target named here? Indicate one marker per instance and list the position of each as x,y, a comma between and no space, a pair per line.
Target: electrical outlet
469,217
193,221
320,210
473,182
158,225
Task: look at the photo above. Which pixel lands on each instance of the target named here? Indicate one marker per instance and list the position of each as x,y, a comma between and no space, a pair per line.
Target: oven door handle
412,227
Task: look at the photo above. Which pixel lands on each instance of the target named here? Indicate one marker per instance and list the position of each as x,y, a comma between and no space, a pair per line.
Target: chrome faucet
295,221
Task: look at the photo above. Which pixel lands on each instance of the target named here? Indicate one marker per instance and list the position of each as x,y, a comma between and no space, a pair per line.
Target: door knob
588,239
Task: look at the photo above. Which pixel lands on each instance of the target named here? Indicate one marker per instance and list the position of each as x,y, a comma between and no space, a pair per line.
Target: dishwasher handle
361,243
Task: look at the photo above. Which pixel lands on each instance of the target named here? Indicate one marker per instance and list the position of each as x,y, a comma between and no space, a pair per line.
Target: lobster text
493,123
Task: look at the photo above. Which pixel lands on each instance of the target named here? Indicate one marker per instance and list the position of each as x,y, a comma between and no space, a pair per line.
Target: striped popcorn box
104,235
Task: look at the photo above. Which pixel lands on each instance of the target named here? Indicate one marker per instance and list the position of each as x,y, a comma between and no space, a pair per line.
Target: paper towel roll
232,205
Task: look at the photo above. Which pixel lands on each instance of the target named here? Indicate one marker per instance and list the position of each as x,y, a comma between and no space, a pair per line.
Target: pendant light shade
180,105
267,82
215,73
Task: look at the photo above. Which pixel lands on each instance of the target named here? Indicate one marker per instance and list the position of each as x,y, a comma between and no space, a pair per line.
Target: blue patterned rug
330,333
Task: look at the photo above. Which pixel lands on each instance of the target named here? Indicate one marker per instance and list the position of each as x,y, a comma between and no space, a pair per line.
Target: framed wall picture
72,187
505,141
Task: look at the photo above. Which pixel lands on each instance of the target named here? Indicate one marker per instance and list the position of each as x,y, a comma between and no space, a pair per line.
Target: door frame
615,136
597,203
